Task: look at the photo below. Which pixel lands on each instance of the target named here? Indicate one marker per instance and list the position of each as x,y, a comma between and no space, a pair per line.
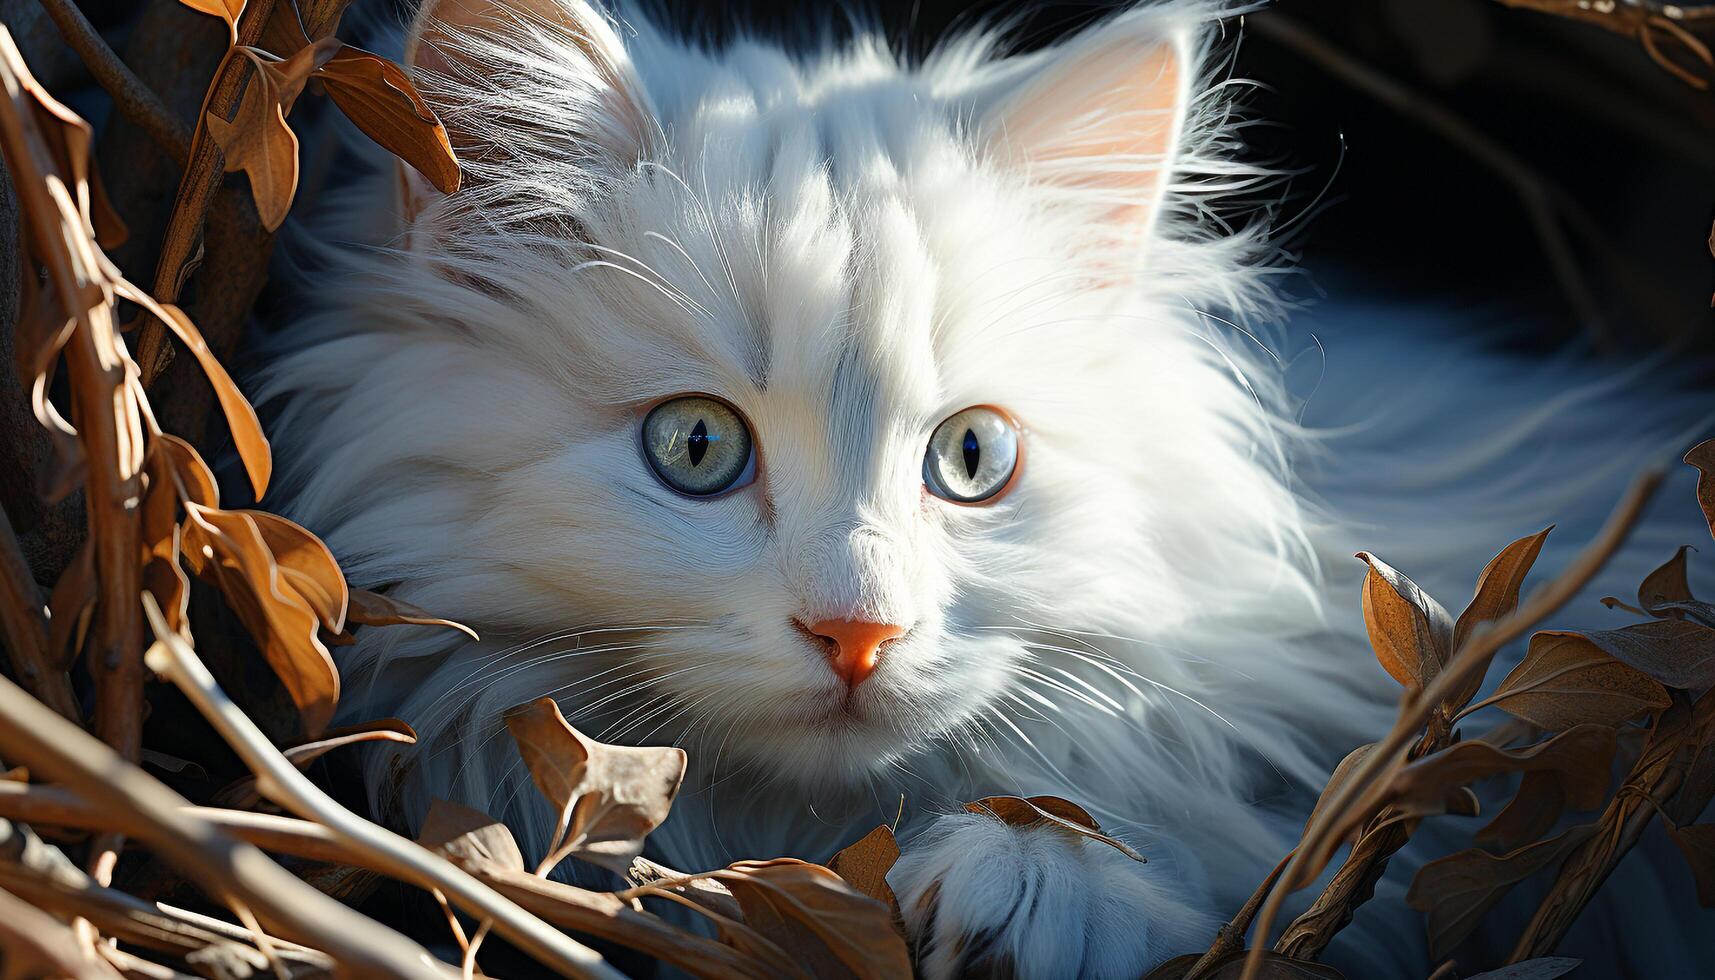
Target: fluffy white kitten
842,251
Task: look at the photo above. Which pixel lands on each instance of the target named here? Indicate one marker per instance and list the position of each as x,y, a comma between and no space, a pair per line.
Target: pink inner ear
1103,117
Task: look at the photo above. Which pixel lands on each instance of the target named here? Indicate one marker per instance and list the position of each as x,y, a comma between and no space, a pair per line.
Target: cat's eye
698,446
971,456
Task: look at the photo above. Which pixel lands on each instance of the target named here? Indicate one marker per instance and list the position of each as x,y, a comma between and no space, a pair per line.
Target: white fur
837,245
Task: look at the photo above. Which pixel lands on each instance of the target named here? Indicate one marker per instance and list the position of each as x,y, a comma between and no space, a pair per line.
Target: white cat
877,431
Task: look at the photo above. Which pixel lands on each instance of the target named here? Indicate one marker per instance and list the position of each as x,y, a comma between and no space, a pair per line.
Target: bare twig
1365,790
34,940
24,629
234,872
130,96
280,781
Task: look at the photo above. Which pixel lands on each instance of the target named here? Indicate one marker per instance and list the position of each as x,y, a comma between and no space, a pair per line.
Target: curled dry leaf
1565,680
829,927
1232,967
1702,456
865,864
307,567
1667,583
1496,595
228,548
227,10
609,796
1677,653
70,606
1580,758
378,97
241,419
1533,811
1410,632
1458,890
259,142
1063,815
469,838
380,730
1697,843
373,609
1541,968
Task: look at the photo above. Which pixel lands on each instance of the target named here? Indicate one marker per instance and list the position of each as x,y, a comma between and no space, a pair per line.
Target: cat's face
720,356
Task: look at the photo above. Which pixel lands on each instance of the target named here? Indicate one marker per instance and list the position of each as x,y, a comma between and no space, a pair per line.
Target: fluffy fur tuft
1158,622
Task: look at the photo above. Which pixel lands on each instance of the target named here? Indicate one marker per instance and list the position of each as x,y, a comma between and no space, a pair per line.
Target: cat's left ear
1098,116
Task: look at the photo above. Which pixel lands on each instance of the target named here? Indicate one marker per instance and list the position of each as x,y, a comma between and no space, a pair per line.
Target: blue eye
698,446
971,456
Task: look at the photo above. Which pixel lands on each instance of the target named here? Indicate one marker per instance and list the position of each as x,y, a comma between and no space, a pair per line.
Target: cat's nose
855,645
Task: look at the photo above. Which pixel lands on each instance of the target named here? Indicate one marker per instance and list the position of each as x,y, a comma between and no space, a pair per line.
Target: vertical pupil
698,443
973,453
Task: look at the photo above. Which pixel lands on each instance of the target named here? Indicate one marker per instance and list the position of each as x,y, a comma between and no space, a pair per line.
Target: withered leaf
865,864
1702,456
380,730
1667,583
378,97
1541,968
1697,843
1496,595
1458,890
829,927
1063,815
1532,812
259,142
1579,757
1338,778
1675,652
1232,967
374,609
227,548
1565,680
247,435
609,796
70,606
1410,632
227,10
469,838
308,567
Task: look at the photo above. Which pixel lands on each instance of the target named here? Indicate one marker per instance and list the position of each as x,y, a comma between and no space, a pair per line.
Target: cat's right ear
505,75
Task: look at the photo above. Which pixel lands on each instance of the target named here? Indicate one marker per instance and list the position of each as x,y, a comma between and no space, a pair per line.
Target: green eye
698,446
971,456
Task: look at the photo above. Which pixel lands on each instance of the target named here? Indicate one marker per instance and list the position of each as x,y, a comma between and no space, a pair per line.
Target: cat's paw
984,898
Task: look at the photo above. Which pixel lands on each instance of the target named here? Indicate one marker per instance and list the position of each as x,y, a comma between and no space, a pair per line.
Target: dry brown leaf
1541,968
70,606
1697,843
1232,967
1566,680
1580,757
373,609
1410,632
1702,456
1458,890
308,567
865,864
1061,814
378,97
1667,583
1336,779
1496,595
227,548
829,927
227,10
241,419
259,142
380,730
1532,812
609,796
1678,653
469,838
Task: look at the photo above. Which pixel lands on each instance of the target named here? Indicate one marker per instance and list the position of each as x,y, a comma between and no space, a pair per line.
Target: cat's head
821,406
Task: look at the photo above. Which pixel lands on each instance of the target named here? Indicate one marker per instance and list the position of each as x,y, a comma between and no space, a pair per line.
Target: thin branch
280,781
1365,790
25,629
131,97
34,940
225,868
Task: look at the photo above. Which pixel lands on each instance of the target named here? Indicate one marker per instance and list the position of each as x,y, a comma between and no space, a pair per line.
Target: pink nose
856,646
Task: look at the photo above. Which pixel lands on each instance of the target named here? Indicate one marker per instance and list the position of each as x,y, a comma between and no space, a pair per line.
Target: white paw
982,898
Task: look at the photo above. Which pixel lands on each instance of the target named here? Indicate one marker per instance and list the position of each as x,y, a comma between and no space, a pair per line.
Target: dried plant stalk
25,630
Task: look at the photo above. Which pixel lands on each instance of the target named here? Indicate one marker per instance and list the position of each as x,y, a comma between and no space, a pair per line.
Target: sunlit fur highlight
1158,621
